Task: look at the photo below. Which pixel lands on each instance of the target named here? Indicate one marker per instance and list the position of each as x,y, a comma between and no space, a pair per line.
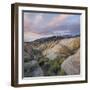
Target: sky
40,25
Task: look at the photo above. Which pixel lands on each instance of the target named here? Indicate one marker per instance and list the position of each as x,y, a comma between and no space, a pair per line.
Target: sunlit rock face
72,64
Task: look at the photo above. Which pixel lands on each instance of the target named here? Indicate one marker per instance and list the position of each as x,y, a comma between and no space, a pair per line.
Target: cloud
61,32
72,27
30,36
32,22
38,19
65,22
57,20
27,23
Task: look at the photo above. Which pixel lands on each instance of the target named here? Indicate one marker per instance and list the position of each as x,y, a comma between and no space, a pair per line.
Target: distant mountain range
46,39
54,38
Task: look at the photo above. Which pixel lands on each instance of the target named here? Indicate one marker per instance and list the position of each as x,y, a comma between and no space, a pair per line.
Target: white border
52,78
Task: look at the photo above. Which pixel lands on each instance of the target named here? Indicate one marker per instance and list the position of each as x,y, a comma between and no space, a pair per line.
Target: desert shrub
36,54
31,57
50,67
36,51
54,67
62,72
60,61
26,59
42,60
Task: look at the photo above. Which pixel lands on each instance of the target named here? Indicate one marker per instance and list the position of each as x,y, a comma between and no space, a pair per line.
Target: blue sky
40,25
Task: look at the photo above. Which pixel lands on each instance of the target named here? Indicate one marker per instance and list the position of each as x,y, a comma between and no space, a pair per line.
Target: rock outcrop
71,65
32,68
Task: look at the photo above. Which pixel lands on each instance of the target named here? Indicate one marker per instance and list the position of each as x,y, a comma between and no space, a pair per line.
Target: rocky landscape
52,56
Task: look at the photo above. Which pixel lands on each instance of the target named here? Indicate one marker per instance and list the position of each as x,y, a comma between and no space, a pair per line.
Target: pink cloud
57,20
32,25
30,36
38,19
27,23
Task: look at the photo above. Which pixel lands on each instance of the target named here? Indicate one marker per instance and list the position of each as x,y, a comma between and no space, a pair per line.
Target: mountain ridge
54,38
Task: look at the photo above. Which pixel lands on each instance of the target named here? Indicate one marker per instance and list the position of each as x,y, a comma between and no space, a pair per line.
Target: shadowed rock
32,69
